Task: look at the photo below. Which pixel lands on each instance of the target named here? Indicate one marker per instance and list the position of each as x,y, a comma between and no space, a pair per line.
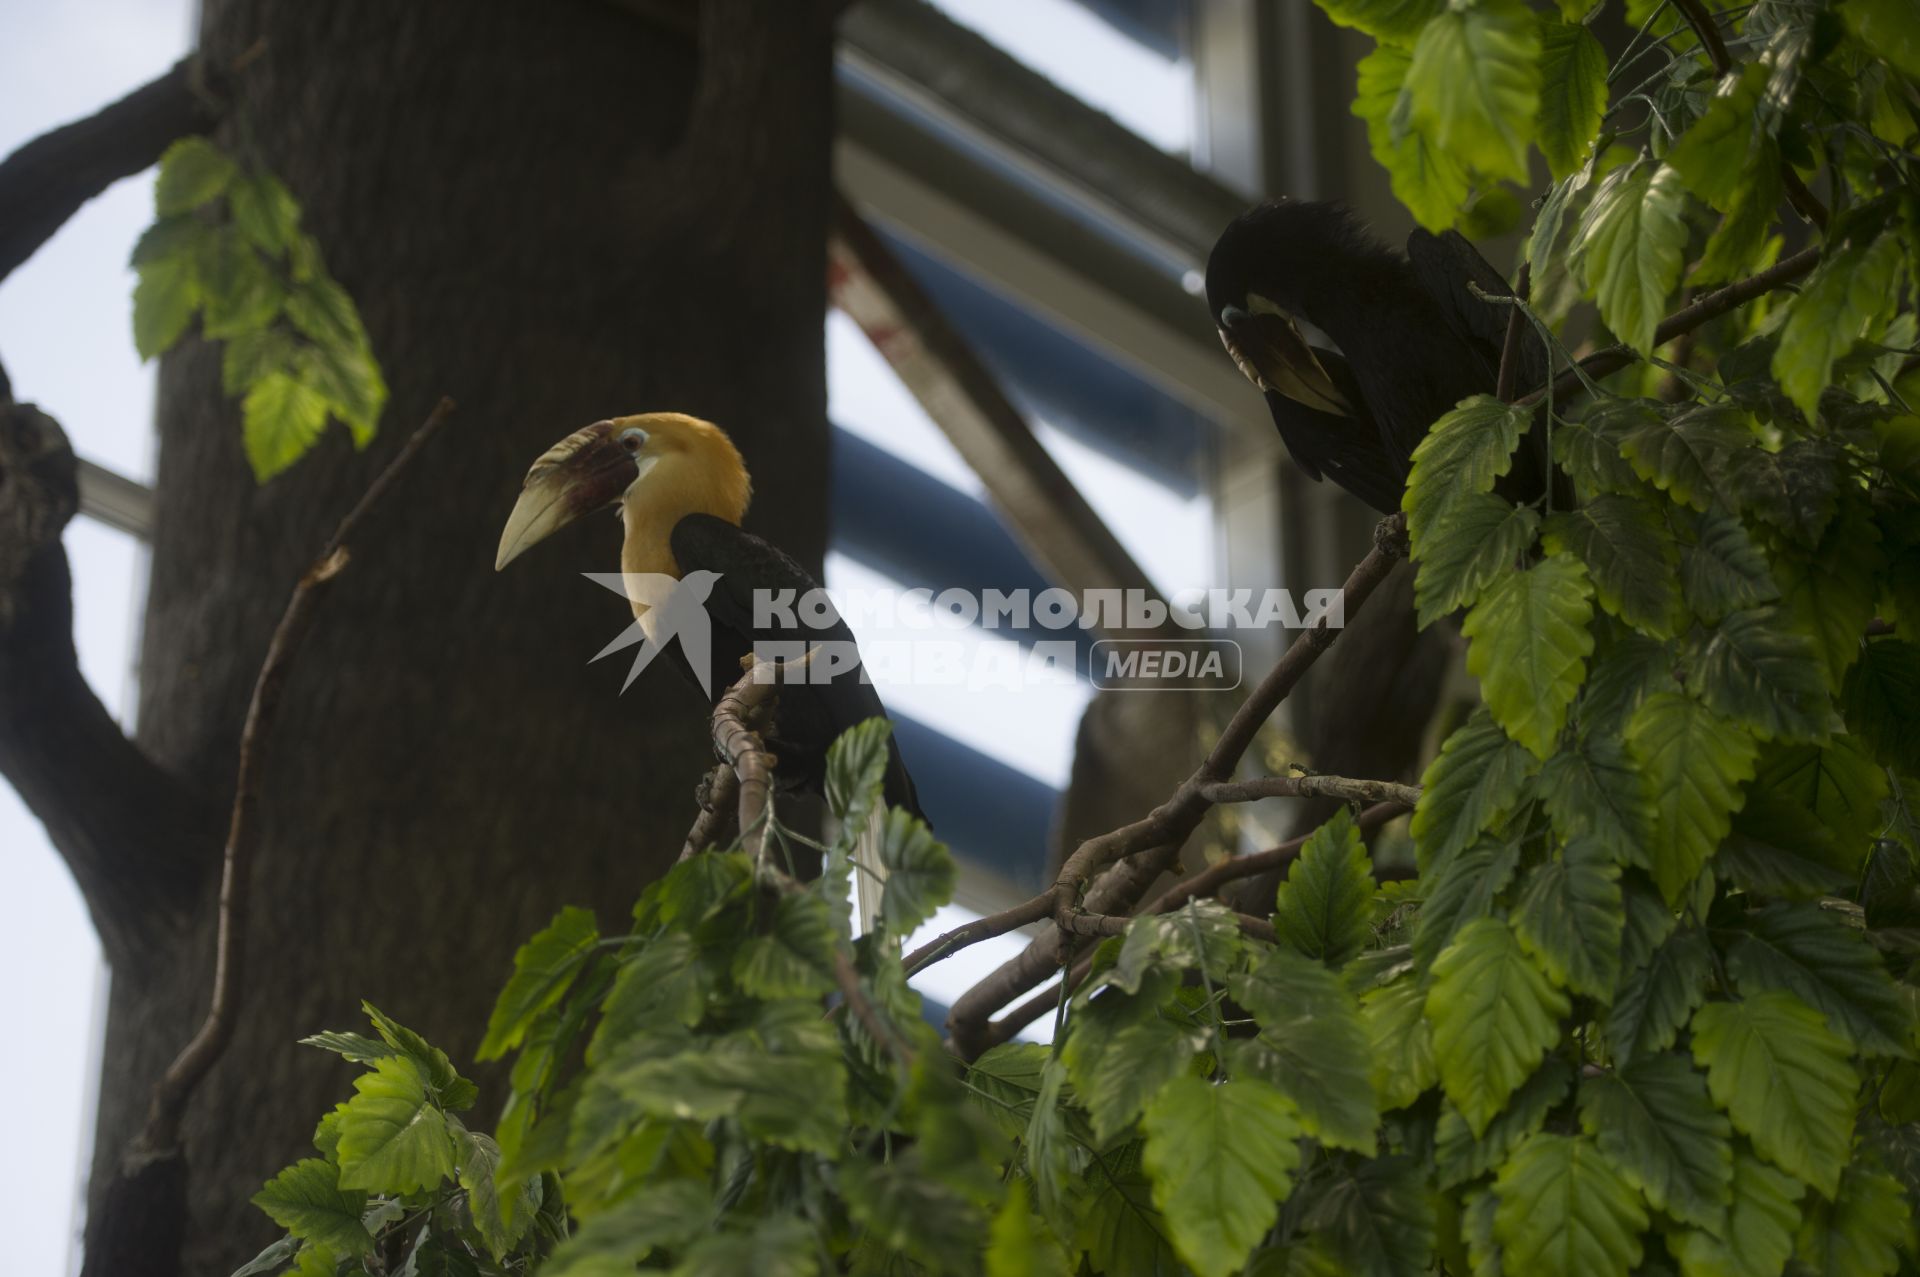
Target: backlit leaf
1432,184
392,1138
192,172
543,969
1221,1158
281,418
1313,1045
1573,94
1629,249
1528,644
306,1199
1462,455
1848,297
1474,85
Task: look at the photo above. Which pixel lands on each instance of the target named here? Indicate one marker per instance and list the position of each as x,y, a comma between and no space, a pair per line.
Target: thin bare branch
944,946
1359,791
1504,386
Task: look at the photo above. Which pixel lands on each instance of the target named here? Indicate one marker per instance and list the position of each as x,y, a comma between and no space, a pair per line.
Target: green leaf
1221,1158
1459,1157
1431,184
1653,1001
1813,953
248,357
306,1199
1778,847
856,769
780,1246
1784,1078
1684,455
1881,700
1325,907
281,419
1019,1244
1120,1051
1589,453
450,1089
1862,1231
666,982
1375,1218
1460,890
1629,555
193,171
349,377
1757,1236
164,299
271,1260
1697,762
1462,455
500,1223
1719,152
1007,1081
1394,21
920,872
392,1137
1849,297
1570,917
1573,94
907,1209
1754,668
1399,1042
1482,539
1494,1015
1831,593
795,958
1565,1208
1634,669
239,292
322,310
1528,644
1201,933
1629,249
1312,1045
1657,1123
265,211
1724,570
1478,777
1794,489
543,969
1120,1231
1474,85
668,1213
1593,790
1884,28
351,1046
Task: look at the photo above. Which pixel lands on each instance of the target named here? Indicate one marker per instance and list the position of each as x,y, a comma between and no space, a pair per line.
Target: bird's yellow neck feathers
689,466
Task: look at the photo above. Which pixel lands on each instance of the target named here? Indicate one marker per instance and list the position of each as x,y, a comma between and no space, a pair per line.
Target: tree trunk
554,213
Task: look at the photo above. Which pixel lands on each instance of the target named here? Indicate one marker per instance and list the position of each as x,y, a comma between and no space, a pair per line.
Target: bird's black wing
1348,450
1445,265
809,715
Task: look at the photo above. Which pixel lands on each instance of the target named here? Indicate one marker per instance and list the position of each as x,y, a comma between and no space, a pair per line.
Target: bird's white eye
633,438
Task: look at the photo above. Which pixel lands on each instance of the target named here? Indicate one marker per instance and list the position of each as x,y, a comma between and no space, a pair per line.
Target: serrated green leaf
781,1246
1221,1158
272,1259
239,293
1885,29
1459,1157
1633,669
501,1222
856,767
350,378
1831,592
1019,1245
1724,571
322,310
1794,489
1201,933
795,958
1007,1081
1431,184
265,211
668,1213
1684,455
351,1046
1785,1080
392,1138
1570,916
1400,1043
1656,1121
1459,890
1478,777
1720,150
247,357
281,419
1778,847
1481,539
1629,247
306,1199
1593,790
1120,1230
1312,1045
1528,644
1629,556
450,1089
1697,762
1374,1218
920,872
1814,954
543,970
164,299
1565,1208
666,982
908,1210
1862,1231
1849,297
1462,455
1120,1051
1881,701
1474,85
1589,453
1394,21
1755,668
1494,1014
193,171
1757,1236
1573,94
1653,1001
1325,907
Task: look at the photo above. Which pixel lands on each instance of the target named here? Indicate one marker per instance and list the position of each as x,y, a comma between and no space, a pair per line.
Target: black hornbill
1412,340
681,489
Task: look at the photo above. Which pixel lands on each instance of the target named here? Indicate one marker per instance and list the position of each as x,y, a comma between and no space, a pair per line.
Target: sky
65,340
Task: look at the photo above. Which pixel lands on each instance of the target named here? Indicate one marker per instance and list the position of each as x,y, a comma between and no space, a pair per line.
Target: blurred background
1050,172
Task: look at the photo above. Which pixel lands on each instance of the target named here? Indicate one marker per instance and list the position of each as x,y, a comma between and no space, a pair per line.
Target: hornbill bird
681,489
1409,338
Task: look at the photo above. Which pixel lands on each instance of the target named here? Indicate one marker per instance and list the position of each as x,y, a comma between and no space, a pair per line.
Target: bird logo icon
676,611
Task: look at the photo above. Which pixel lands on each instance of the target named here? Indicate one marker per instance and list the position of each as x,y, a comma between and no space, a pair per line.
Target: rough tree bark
553,213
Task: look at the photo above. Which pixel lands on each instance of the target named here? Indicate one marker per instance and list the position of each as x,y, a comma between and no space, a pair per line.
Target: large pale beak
586,471
1274,356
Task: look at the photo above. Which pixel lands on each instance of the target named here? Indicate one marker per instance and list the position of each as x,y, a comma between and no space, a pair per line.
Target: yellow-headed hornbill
681,489
1409,340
